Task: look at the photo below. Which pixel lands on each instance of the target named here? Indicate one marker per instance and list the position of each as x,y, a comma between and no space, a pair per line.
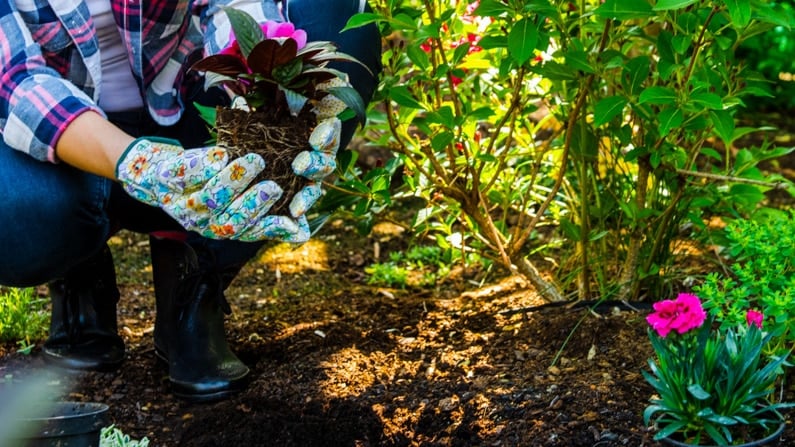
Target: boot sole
71,366
77,365
206,398
186,394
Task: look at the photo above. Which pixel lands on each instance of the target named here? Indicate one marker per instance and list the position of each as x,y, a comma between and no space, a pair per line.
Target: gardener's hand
320,162
199,188
245,218
283,228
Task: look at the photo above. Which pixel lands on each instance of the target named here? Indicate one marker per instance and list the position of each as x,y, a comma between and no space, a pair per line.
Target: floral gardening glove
245,218
194,186
320,162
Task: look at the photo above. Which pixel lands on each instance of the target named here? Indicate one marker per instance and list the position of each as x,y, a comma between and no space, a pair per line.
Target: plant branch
733,179
575,113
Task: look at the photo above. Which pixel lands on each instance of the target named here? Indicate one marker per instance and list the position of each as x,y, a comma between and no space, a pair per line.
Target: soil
276,136
472,360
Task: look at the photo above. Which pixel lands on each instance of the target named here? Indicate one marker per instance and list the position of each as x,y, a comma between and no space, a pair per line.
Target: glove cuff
142,142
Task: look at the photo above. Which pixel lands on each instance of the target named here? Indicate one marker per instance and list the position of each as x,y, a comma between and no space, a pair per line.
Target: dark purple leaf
224,64
269,53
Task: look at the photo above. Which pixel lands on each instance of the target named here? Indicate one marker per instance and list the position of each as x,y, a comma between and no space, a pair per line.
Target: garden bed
338,362
471,359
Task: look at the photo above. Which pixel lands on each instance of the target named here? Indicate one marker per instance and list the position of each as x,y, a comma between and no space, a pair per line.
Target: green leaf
418,57
460,52
295,100
635,73
489,42
425,32
624,9
542,7
443,116
740,12
403,22
670,118
486,158
352,99
698,392
608,108
522,40
491,8
555,71
570,229
657,95
669,429
362,19
767,14
482,113
712,153
578,60
665,5
440,141
724,125
207,113
747,195
665,48
708,100
285,73
680,44
247,31
346,115
403,97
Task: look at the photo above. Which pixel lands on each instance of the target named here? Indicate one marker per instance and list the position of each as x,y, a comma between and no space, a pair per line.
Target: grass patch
23,317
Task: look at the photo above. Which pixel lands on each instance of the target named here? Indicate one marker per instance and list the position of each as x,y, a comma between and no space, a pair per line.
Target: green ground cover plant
24,318
760,275
587,133
418,266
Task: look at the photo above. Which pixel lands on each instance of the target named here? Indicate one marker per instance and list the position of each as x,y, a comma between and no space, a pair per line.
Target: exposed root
277,137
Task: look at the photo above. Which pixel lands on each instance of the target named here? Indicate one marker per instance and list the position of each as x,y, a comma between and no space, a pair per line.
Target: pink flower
754,317
280,30
681,315
272,30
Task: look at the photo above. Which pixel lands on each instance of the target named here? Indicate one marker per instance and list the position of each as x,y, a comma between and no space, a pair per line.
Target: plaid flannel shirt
51,69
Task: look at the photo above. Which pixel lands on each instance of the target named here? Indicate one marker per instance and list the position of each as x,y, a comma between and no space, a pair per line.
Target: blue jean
55,216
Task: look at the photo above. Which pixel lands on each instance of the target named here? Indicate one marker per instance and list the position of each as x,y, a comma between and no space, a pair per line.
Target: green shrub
770,54
595,128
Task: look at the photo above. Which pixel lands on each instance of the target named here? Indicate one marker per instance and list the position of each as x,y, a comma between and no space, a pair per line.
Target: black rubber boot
83,329
189,324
